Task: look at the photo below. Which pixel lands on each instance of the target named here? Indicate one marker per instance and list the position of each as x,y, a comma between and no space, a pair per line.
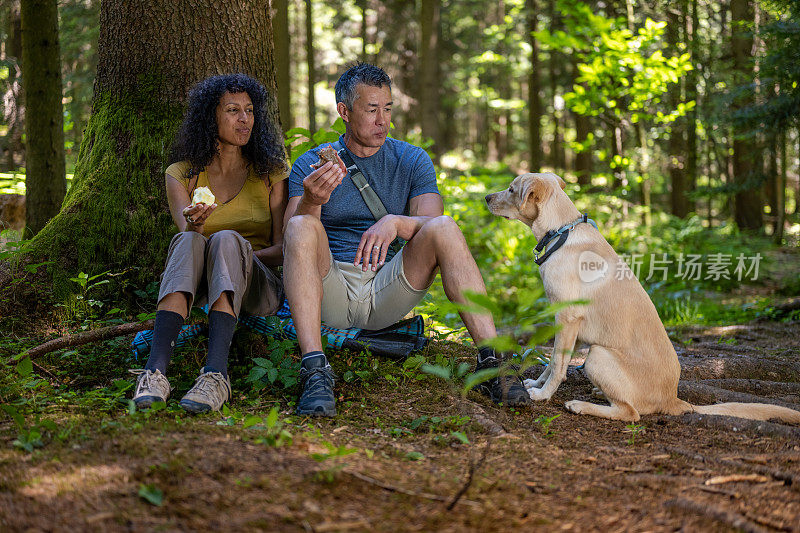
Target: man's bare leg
306,260
440,244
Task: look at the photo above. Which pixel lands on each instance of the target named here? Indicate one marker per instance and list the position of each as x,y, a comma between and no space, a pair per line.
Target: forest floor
402,449
407,451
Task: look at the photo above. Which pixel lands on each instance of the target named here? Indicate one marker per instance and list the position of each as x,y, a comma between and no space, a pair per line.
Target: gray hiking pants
204,268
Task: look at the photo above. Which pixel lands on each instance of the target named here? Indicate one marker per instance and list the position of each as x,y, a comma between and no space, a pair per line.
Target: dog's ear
534,190
561,182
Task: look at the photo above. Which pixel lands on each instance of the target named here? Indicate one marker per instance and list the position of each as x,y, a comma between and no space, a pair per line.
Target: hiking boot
317,379
504,388
211,390
150,387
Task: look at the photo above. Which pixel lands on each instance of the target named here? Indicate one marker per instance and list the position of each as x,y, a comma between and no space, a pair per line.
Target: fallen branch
728,518
473,467
85,337
400,490
755,386
786,477
735,478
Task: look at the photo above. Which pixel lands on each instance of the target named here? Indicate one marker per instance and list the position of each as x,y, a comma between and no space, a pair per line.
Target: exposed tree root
740,367
479,416
701,394
740,424
392,488
767,388
86,337
728,518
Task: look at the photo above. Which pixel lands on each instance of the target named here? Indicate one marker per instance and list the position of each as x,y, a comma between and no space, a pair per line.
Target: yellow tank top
247,213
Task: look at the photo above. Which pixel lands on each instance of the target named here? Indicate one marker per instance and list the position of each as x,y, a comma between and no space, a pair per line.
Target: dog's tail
751,411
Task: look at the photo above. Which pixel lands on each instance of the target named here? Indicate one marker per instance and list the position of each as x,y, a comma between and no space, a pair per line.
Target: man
338,264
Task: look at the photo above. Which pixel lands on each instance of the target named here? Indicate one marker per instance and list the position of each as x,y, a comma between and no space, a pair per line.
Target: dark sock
165,332
220,332
311,360
485,353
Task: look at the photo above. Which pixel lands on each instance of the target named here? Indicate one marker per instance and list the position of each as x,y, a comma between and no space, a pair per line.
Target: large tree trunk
747,202
115,216
45,172
534,94
282,62
429,83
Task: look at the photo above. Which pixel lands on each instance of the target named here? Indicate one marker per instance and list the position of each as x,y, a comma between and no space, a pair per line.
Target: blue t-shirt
397,172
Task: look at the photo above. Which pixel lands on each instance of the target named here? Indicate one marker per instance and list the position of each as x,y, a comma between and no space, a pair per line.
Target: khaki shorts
352,298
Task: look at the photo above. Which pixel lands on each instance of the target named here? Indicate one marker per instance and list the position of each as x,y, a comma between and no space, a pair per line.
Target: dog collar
554,239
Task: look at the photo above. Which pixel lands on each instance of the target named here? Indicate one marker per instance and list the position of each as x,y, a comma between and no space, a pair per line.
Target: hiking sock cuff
308,357
486,352
221,327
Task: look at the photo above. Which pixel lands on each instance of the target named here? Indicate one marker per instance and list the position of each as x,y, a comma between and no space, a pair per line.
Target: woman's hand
196,216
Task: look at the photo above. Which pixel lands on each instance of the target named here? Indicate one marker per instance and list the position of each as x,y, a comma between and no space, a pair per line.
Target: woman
222,252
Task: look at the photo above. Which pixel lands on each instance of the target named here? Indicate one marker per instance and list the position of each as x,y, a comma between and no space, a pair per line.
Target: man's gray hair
359,73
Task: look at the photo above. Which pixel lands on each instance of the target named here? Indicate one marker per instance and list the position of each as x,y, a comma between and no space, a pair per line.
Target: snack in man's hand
203,195
326,154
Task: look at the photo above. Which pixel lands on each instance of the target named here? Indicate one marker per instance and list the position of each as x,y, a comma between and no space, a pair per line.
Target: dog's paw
538,395
597,393
530,384
574,406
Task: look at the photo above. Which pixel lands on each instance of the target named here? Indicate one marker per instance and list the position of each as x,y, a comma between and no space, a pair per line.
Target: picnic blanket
397,341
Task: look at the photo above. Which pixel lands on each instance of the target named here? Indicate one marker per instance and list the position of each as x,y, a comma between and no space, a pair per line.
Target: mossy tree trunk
282,62
45,179
115,216
429,79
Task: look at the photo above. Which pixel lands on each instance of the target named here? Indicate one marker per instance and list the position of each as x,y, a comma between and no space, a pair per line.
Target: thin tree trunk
534,93
312,104
747,201
677,144
282,62
429,83
780,186
13,99
556,148
362,7
692,25
45,175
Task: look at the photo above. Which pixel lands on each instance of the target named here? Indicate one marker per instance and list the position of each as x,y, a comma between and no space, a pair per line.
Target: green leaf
272,375
479,377
260,361
151,494
25,367
256,373
460,436
414,456
272,418
14,414
251,420
436,370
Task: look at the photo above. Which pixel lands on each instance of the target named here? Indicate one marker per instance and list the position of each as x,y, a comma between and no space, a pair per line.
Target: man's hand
375,242
318,186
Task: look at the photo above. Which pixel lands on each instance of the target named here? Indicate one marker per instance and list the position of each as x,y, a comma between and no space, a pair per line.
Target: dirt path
571,474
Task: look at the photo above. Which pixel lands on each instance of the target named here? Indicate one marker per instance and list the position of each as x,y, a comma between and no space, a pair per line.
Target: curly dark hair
197,137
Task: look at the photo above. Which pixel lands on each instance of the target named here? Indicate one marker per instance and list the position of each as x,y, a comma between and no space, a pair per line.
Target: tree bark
13,99
312,104
677,144
45,168
747,203
534,93
780,196
692,24
429,82
115,216
282,62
